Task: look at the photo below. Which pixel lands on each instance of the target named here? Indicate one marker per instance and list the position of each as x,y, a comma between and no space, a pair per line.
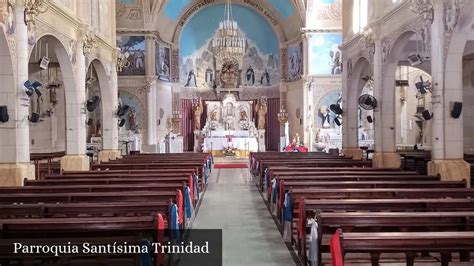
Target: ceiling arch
282,15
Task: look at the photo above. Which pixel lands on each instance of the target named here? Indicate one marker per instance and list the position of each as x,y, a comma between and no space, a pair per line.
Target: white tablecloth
241,143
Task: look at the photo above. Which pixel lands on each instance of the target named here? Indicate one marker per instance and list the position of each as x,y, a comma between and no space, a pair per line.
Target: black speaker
369,119
89,121
92,103
457,109
4,114
427,115
122,122
34,118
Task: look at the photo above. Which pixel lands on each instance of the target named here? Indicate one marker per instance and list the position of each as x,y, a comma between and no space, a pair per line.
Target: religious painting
162,61
133,50
325,117
259,67
7,17
134,118
229,74
325,57
295,61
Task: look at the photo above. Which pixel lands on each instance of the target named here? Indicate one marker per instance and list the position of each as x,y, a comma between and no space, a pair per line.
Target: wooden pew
104,181
94,188
93,209
328,222
87,197
79,229
410,243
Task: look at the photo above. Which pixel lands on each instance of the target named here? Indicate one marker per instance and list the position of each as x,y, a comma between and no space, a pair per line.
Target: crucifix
229,137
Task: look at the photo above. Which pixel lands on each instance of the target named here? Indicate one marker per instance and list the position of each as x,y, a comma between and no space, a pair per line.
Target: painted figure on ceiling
250,74
191,79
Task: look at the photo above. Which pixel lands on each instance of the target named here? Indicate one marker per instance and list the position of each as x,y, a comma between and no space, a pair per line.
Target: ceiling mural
324,54
174,8
284,7
197,62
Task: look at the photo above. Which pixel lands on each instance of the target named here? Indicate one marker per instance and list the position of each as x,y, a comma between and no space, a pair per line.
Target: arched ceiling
167,16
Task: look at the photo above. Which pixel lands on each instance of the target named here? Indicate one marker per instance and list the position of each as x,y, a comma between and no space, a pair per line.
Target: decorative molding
174,65
283,64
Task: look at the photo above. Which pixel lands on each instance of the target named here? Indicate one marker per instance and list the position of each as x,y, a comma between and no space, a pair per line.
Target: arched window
359,15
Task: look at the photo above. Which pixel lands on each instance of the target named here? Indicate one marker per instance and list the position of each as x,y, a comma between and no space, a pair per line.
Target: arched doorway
62,64
102,132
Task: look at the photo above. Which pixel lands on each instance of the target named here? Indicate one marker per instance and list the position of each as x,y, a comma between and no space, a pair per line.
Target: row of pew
139,199
337,210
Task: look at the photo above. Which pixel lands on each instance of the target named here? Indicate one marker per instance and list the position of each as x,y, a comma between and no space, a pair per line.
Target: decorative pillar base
386,160
108,155
75,163
355,153
13,174
451,170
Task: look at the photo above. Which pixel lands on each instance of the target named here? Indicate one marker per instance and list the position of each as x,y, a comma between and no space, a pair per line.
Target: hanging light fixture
229,41
32,9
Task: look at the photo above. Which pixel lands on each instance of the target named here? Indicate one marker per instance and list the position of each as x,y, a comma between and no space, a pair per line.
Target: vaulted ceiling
167,16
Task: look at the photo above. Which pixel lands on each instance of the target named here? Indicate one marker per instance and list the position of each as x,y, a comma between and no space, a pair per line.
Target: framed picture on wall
162,62
133,49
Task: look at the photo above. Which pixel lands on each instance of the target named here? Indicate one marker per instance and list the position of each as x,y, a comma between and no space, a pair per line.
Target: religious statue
98,127
198,109
261,111
132,120
243,115
325,115
214,114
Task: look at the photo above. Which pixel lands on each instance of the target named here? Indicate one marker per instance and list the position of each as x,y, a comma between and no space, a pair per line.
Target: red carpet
230,165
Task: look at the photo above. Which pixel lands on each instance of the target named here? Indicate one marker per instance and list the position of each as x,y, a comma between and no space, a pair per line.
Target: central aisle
250,236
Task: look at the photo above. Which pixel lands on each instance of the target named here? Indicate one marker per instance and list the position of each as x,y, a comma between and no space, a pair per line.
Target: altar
230,129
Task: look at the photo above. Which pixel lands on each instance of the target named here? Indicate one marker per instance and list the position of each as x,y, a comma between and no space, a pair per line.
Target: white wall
48,135
407,130
294,100
163,103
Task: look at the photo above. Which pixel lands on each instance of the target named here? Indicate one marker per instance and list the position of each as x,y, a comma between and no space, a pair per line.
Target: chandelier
229,40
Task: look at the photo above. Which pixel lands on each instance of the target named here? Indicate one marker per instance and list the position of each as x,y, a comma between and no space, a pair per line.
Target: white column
437,72
378,86
350,126
447,132
384,91
22,134
151,141
75,159
14,134
110,124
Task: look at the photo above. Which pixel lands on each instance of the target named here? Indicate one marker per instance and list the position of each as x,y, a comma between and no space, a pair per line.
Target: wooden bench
84,230
409,243
92,209
328,222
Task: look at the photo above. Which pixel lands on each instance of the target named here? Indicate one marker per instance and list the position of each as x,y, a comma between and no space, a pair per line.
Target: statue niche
229,74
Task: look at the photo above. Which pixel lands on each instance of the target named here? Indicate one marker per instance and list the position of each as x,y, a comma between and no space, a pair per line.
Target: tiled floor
250,237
